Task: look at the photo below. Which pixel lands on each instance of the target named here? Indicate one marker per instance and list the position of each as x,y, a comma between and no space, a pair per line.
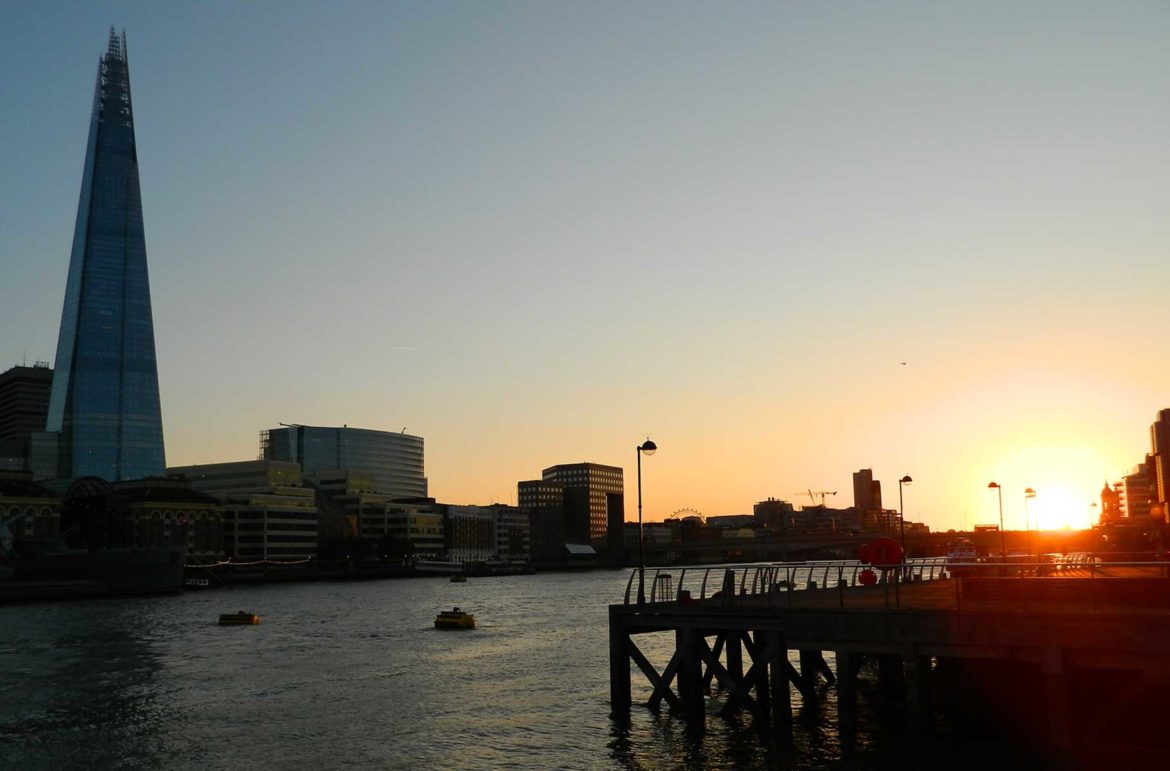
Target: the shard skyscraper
105,404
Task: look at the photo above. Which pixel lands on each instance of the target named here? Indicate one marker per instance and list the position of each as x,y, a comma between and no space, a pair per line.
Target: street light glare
905,480
648,447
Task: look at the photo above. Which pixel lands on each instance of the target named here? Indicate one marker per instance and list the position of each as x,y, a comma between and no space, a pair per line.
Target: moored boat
454,619
961,556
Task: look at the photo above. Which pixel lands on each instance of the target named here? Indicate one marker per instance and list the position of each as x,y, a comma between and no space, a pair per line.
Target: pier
1074,650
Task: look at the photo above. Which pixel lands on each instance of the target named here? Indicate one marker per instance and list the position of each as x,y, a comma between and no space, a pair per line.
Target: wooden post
916,670
847,664
1056,698
619,665
759,651
690,670
809,666
890,676
781,694
734,655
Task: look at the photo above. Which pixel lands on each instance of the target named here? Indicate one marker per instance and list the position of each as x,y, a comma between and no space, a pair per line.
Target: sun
1061,507
1066,479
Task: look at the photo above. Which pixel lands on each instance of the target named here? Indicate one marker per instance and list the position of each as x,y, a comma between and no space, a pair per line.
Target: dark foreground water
354,675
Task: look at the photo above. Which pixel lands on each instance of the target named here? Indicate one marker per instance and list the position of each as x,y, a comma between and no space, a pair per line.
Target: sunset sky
784,240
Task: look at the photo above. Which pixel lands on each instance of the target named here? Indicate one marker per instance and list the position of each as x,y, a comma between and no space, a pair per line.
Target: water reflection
86,692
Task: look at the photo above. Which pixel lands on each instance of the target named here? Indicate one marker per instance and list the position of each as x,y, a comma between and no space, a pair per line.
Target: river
353,674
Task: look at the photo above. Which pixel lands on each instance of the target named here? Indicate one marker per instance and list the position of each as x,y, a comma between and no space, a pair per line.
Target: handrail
764,578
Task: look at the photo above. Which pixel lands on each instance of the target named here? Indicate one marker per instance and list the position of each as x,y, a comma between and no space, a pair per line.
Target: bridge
1027,641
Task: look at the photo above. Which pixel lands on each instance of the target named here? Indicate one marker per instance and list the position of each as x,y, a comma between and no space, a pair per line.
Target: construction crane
812,495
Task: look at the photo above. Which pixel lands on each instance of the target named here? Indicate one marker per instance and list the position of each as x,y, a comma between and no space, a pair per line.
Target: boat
437,567
454,619
241,618
961,556
458,578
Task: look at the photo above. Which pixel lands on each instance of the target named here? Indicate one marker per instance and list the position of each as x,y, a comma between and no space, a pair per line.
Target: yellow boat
243,618
458,578
454,619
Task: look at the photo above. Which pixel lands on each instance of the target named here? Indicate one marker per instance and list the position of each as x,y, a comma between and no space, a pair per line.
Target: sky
786,241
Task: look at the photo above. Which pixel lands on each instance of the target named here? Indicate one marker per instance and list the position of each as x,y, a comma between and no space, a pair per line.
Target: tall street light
1002,543
1030,495
902,512
646,448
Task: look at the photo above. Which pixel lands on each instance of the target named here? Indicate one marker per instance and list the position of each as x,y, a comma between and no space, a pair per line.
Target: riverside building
268,512
104,417
588,510
393,460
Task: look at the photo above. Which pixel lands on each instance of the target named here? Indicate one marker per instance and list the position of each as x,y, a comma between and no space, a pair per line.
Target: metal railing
766,579
775,583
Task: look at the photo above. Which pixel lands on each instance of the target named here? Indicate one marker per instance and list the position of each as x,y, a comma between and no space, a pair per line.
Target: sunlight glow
1066,477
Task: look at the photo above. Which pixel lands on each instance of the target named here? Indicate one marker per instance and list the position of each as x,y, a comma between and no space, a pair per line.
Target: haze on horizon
537,233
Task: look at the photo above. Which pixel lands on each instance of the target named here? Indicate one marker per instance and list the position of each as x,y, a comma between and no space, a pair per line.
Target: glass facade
395,461
105,400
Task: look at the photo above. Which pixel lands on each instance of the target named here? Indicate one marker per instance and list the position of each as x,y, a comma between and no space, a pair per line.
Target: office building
104,404
268,512
1160,450
24,406
867,491
417,525
393,460
495,533
587,510
545,504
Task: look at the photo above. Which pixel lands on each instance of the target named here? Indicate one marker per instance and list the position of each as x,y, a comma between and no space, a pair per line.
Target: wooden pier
1098,636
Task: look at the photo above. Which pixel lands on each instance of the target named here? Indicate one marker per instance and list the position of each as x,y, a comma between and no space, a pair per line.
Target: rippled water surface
354,674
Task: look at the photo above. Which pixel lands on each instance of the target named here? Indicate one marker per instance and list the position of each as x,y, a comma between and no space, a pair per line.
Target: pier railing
840,582
768,579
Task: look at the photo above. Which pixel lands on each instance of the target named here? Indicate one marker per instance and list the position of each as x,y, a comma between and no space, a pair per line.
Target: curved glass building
395,461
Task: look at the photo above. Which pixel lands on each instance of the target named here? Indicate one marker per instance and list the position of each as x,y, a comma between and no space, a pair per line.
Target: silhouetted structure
24,406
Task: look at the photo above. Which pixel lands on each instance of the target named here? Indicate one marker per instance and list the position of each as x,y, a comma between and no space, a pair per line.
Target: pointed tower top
117,49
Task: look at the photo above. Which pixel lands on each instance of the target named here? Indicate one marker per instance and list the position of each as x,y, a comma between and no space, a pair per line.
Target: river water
353,674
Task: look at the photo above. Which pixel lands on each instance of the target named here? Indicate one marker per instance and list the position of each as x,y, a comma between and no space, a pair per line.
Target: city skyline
532,234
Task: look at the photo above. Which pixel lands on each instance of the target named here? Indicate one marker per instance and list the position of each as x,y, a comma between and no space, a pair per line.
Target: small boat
458,578
242,618
454,619
961,556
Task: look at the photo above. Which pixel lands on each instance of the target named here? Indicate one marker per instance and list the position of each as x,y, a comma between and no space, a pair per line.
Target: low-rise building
30,510
416,524
268,512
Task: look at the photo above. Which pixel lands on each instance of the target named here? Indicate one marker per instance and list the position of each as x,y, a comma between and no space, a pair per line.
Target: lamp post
902,512
1030,495
646,448
1002,543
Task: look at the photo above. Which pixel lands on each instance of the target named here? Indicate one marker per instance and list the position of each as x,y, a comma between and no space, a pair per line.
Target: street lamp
646,448
1030,495
902,512
1002,543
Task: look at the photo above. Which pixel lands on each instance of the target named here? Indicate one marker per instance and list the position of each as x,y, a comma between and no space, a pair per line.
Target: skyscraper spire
105,401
